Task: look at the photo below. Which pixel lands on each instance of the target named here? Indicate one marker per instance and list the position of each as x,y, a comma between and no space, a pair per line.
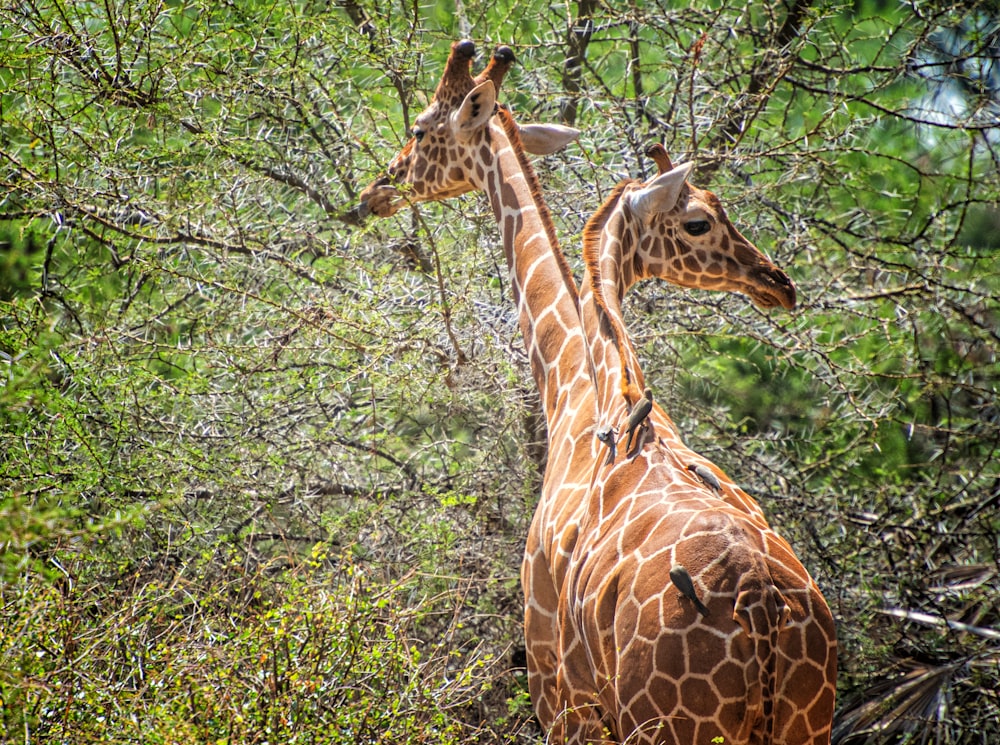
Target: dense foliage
265,475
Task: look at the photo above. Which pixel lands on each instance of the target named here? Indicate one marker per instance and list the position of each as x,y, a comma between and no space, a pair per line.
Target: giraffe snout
772,287
785,289
357,214
379,199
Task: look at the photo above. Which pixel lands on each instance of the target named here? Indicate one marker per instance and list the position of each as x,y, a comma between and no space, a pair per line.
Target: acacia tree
227,407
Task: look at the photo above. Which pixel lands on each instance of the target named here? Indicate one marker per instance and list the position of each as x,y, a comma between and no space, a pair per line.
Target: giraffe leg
805,704
575,727
541,633
580,719
540,636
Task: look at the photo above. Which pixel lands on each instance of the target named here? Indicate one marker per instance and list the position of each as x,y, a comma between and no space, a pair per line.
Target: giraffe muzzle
357,214
380,198
772,288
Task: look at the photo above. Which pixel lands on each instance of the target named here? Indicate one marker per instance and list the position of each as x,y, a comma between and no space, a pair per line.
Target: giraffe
463,141
459,145
742,647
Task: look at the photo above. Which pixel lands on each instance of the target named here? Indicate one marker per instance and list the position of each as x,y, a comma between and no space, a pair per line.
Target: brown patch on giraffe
685,728
735,712
729,680
506,194
804,678
669,656
702,641
698,697
792,645
666,690
649,615
508,226
796,728
822,710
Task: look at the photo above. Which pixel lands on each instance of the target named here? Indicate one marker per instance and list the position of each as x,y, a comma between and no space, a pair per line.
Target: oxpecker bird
707,476
638,416
607,436
682,581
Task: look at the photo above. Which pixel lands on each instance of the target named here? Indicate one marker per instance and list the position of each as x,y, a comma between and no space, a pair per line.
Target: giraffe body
615,653
652,658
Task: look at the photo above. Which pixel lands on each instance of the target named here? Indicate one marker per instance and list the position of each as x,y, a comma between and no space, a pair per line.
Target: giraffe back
760,667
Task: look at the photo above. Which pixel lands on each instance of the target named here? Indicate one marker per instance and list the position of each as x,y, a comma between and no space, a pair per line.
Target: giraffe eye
697,227
418,133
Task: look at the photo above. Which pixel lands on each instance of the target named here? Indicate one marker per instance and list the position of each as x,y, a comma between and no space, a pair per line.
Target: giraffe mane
510,129
592,258
592,241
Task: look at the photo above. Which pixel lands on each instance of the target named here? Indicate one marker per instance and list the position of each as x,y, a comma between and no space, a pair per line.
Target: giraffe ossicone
614,654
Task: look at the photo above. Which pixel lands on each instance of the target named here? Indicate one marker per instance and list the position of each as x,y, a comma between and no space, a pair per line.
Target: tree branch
577,38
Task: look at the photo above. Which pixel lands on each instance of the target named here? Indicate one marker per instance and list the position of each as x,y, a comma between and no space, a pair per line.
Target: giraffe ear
544,139
476,109
661,194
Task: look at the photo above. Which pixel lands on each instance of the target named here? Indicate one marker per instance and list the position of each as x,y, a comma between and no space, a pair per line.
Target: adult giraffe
743,648
459,145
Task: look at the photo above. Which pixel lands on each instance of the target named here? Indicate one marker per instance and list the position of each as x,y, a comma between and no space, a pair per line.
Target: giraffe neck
609,249
545,292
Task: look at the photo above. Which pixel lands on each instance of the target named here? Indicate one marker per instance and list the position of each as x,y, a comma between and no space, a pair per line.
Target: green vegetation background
265,476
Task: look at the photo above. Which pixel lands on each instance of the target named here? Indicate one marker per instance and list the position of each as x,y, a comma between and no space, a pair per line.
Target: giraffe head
682,234
450,138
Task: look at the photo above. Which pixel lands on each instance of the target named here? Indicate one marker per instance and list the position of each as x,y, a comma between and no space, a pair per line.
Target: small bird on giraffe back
640,412
683,582
607,436
707,477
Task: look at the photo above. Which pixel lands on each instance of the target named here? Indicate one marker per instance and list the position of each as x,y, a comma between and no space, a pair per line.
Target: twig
929,620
